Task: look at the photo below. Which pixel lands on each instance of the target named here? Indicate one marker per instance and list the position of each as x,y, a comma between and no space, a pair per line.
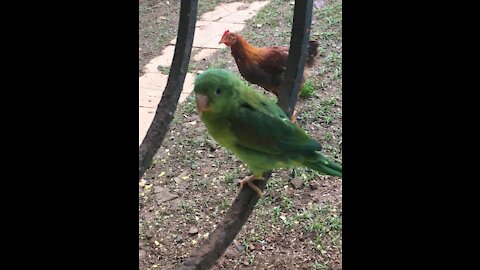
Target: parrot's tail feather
326,166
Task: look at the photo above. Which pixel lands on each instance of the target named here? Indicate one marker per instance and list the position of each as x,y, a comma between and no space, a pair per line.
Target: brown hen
264,66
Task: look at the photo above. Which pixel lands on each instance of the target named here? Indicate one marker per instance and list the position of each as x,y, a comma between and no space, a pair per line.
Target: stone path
208,32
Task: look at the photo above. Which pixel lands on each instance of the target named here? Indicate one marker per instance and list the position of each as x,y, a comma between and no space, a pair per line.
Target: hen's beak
202,103
223,40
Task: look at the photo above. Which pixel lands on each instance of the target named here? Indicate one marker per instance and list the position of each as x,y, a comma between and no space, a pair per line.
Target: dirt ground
192,180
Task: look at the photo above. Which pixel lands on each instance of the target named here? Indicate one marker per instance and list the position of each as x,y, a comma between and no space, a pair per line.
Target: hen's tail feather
324,165
312,53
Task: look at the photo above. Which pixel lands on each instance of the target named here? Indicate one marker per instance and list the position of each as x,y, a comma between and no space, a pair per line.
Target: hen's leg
293,119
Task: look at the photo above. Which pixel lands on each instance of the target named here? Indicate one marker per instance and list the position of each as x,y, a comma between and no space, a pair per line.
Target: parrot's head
215,91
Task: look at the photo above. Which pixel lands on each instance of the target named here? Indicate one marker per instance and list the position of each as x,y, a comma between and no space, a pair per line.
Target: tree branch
168,104
205,255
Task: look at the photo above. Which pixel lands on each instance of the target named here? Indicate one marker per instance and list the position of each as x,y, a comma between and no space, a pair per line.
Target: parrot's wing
262,126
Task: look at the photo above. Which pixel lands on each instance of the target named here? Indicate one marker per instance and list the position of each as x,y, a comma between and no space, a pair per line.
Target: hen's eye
218,92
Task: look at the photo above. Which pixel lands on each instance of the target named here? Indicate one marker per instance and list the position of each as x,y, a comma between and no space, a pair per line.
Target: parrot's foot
249,180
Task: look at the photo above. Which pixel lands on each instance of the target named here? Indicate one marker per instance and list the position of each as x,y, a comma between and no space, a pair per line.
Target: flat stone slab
152,82
231,16
235,12
204,54
162,194
209,30
208,34
145,118
149,101
187,87
243,12
164,60
215,31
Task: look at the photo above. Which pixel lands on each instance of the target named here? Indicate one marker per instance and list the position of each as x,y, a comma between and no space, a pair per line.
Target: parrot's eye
218,92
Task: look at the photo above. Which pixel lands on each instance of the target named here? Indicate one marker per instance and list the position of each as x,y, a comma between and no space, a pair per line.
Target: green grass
318,266
328,136
153,163
328,29
307,89
220,63
225,204
188,211
231,176
330,24
189,106
264,17
142,9
326,223
164,70
158,221
199,184
208,5
265,25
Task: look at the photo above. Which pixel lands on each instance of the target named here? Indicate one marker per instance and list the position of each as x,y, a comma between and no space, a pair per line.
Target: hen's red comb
226,32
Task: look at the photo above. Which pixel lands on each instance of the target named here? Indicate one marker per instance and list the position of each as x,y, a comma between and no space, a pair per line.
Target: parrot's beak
202,103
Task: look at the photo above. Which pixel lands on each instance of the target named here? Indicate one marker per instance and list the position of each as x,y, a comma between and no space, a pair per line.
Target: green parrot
254,128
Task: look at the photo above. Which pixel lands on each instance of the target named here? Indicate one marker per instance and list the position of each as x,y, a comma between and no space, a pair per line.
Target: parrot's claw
249,180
